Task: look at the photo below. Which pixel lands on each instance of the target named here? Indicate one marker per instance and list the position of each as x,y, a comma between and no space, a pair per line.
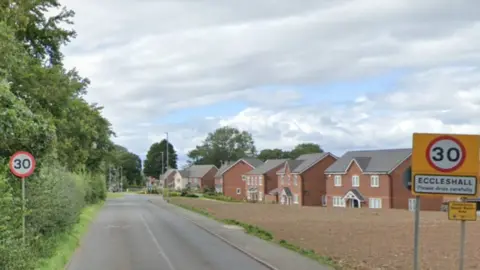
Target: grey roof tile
167,174
357,194
269,165
198,171
303,162
252,161
371,161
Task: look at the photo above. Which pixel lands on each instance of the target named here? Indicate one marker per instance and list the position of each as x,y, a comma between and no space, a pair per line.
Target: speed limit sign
22,164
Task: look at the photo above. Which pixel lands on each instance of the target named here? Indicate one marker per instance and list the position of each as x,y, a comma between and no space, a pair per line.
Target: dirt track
359,238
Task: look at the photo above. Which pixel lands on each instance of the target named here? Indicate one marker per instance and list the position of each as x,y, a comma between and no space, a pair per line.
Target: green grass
69,241
114,195
265,235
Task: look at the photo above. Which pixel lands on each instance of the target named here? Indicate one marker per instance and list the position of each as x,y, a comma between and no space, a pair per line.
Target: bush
55,198
191,195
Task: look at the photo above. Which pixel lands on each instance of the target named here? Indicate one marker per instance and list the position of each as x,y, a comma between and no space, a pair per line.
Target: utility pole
166,149
121,179
109,177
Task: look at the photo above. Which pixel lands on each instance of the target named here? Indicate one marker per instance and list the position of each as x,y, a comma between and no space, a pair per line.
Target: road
133,234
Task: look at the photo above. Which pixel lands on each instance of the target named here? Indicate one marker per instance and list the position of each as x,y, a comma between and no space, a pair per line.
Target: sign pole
416,234
462,242
23,209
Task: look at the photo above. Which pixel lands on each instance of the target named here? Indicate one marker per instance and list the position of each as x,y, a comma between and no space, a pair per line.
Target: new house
219,175
199,176
232,181
302,181
373,179
262,179
167,178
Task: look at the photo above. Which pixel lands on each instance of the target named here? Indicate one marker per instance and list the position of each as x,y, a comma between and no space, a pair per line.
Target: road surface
132,233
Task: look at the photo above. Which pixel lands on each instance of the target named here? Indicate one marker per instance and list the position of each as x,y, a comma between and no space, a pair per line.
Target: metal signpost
22,164
445,165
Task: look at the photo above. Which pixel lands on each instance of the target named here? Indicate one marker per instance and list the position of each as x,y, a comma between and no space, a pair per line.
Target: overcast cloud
149,59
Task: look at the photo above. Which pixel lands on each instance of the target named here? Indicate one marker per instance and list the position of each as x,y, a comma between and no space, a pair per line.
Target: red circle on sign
455,140
32,166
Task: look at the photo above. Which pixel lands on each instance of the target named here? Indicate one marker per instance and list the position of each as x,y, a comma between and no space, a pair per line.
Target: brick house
374,179
262,179
232,181
199,176
167,178
302,181
219,176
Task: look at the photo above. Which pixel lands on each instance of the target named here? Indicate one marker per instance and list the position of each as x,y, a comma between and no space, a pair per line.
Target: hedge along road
131,233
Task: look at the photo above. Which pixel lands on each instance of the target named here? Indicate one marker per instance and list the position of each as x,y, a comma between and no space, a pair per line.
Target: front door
354,203
411,204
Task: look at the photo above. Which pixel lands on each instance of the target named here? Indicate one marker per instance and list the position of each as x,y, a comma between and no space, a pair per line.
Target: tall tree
273,154
305,148
225,143
153,163
130,163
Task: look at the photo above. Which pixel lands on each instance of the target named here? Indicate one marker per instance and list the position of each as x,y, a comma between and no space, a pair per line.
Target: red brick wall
232,179
314,182
208,180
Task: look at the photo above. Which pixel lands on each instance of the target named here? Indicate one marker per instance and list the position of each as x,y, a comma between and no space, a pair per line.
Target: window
338,201
375,203
248,181
260,181
338,180
295,180
324,200
355,181
244,177
295,198
255,181
239,191
260,196
374,181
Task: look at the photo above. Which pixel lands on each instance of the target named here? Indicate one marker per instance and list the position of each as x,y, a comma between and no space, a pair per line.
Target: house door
411,204
354,203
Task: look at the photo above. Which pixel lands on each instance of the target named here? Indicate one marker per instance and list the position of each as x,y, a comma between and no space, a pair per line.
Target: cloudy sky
358,74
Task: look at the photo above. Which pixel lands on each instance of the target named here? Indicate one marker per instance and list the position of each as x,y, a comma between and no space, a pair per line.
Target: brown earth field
358,239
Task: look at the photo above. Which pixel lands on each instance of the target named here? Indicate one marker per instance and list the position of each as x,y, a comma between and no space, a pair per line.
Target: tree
305,148
153,163
273,154
225,143
130,164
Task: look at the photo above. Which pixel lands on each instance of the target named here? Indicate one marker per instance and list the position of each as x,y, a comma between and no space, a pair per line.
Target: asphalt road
132,234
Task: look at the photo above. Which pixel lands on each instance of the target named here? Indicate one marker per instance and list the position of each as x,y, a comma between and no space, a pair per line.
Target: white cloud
148,58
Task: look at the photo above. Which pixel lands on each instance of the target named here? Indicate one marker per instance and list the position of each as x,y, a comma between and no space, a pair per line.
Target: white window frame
337,180
374,181
260,181
375,203
295,180
244,177
295,198
239,191
355,183
260,196
249,182
338,201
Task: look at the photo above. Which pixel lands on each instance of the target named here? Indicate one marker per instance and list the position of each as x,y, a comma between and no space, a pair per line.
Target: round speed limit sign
446,154
22,164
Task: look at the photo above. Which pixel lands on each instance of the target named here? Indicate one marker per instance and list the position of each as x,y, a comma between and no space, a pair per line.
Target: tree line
231,144
223,144
43,111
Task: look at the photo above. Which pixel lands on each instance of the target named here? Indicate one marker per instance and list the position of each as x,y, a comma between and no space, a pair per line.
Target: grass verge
115,195
69,241
265,235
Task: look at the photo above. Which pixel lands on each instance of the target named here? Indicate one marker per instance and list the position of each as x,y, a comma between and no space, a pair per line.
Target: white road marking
159,247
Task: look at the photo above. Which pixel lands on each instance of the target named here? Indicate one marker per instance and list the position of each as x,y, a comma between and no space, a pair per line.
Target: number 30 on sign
22,164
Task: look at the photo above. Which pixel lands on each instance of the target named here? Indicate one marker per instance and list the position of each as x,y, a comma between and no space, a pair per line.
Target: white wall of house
180,183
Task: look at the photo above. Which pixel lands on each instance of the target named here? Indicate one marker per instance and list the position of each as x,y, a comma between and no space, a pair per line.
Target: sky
348,75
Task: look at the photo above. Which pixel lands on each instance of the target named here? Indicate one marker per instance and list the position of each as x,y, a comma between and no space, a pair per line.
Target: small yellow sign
466,211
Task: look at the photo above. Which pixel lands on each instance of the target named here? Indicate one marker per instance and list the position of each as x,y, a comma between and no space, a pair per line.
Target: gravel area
359,238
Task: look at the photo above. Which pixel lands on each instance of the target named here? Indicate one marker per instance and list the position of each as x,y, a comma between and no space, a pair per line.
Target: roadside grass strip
68,242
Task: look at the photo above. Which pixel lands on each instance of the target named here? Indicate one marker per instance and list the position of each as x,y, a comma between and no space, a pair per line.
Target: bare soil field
358,239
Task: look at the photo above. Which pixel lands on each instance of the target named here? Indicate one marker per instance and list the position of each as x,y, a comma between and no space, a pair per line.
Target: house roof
304,162
223,168
167,174
183,173
269,165
251,161
355,193
198,171
371,161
